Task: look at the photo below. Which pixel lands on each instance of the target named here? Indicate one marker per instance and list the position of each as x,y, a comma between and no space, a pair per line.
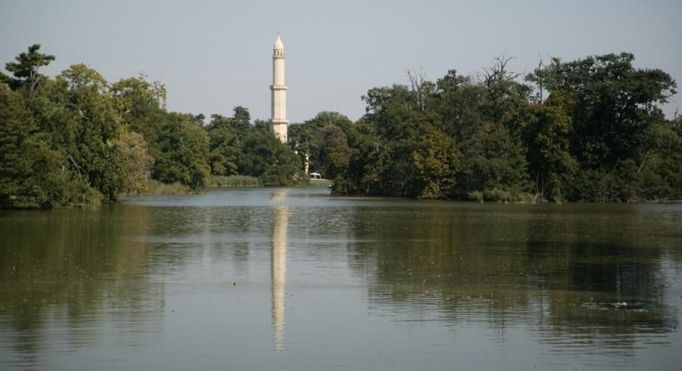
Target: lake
293,279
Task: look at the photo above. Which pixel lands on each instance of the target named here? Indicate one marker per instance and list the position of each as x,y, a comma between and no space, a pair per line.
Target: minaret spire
279,92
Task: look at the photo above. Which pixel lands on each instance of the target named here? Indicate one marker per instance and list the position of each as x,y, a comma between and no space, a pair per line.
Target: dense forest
78,139
586,130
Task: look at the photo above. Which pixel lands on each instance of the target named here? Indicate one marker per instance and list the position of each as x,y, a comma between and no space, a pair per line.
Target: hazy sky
214,55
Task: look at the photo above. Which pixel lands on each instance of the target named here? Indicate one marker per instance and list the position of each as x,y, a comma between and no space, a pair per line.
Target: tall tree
265,157
90,128
25,70
615,104
241,121
493,160
141,106
459,105
137,162
546,135
334,152
184,146
28,165
224,145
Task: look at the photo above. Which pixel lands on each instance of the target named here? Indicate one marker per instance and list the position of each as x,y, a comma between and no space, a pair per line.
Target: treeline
77,139
587,130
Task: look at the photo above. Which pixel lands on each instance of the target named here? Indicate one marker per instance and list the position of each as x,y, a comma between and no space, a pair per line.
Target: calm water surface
292,279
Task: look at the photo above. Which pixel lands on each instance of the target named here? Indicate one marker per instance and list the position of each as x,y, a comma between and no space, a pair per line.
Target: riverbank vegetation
586,130
78,139
236,181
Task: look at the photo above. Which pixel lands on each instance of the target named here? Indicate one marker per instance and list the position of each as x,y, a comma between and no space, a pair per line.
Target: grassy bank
235,181
154,187
320,183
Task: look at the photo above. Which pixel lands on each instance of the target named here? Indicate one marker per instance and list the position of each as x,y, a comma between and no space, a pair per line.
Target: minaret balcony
278,87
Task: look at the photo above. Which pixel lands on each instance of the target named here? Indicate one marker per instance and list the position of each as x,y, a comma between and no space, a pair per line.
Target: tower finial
278,42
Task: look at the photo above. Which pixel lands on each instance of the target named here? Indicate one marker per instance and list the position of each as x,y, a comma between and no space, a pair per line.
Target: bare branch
417,78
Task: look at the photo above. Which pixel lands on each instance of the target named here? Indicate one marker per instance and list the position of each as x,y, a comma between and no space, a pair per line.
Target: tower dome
278,43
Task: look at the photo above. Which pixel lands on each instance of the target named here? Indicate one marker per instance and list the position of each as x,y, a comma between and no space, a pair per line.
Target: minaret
279,92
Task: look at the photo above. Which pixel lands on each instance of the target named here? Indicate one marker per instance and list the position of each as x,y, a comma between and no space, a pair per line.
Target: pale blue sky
214,55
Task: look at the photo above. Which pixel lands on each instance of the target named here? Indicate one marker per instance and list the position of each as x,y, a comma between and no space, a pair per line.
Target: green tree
436,160
241,121
504,96
411,156
25,70
362,174
35,170
224,145
334,155
29,168
459,105
306,139
550,164
616,121
395,116
88,128
265,157
659,174
493,162
137,162
615,104
141,106
184,148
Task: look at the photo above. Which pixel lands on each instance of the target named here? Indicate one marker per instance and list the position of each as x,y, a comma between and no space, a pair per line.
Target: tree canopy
587,130
78,139
584,130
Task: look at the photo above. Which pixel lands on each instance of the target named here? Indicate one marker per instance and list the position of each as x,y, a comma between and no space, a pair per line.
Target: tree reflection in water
70,268
577,275
209,274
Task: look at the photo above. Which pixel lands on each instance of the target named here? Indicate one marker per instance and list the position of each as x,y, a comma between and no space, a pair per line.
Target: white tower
279,92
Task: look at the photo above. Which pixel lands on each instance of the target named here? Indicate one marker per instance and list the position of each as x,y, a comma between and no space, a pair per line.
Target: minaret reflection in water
280,221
